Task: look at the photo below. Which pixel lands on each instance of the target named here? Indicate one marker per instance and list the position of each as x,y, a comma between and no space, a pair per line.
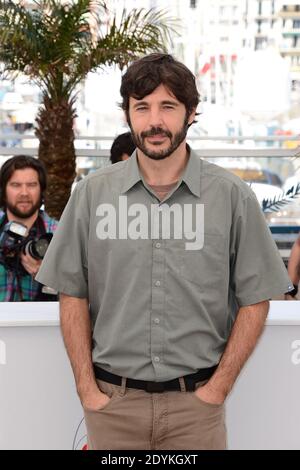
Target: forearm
246,331
76,330
294,263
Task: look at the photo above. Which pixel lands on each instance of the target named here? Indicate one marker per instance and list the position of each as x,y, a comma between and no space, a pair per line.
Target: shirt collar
191,175
132,173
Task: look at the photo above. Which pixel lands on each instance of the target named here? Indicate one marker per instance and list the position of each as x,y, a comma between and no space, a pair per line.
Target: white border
47,313
29,314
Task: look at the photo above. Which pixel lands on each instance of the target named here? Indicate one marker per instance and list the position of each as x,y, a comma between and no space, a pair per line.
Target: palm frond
56,44
276,204
137,33
18,35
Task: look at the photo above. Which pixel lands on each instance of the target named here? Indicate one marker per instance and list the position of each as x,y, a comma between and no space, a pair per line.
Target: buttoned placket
157,285
157,302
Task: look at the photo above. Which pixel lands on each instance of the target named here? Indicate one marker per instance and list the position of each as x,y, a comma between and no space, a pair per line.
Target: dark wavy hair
146,74
21,162
122,144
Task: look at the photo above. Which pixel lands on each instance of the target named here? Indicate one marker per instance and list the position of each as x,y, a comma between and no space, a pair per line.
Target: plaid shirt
8,281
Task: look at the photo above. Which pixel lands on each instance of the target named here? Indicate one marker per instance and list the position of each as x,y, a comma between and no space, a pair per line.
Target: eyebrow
20,182
173,103
145,103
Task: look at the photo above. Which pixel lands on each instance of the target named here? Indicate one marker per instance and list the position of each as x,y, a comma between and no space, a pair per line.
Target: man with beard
157,328
22,187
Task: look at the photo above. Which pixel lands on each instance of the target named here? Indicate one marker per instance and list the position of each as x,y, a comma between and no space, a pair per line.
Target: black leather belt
156,387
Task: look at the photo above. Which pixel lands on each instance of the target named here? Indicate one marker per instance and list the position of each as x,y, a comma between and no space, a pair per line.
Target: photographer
25,230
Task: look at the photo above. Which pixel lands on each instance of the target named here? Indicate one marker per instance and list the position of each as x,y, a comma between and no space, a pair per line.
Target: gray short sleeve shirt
158,309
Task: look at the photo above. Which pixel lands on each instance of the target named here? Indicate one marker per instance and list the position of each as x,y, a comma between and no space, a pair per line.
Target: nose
155,118
24,190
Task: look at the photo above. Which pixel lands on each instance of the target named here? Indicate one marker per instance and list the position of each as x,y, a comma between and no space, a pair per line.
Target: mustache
156,131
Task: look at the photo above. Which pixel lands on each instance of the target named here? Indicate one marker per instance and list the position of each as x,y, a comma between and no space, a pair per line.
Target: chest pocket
204,267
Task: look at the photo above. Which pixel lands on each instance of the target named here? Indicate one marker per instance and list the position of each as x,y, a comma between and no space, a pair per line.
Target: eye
141,108
168,107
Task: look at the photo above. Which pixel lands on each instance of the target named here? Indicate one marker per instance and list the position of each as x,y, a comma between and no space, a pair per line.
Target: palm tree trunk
56,149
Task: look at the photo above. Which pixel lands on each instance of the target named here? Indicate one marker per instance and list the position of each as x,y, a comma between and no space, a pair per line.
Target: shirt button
157,321
158,245
156,359
157,283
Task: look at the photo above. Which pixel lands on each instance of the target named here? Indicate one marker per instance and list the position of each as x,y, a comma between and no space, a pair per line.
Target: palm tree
57,44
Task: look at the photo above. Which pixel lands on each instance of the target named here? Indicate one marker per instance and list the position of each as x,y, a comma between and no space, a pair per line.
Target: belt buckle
155,387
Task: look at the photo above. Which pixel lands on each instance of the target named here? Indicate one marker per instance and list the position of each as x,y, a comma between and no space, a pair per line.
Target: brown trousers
137,420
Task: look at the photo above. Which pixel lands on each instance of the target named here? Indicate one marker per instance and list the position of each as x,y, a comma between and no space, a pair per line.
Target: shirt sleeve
65,265
257,270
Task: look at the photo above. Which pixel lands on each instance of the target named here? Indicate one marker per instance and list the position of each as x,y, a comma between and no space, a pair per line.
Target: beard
175,140
13,208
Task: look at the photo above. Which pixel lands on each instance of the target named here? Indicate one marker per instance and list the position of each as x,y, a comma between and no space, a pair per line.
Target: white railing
230,149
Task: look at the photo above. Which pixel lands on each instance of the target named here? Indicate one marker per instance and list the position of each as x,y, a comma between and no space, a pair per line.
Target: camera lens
37,248
41,248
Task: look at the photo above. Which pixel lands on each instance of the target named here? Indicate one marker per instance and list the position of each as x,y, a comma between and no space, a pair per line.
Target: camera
37,248
15,239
